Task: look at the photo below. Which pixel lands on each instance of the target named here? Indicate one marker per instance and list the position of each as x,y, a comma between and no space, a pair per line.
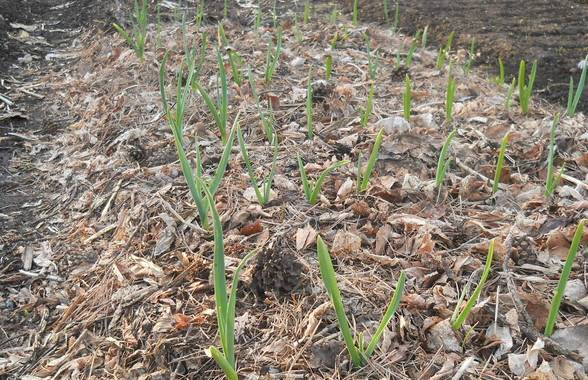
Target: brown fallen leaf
182,321
251,228
537,308
361,208
305,237
442,335
346,243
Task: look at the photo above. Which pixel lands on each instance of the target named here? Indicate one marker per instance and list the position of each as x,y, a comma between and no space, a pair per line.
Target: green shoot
373,60
410,54
219,110
222,36
386,10
176,123
359,355
458,322
334,40
371,165
445,51
309,109
369,107
313,189
551,180
424,37
500,79
334,16
526,89
449,42
355,19
258,16
397,61
328,66
226,9
450,98
199,15
261,192
563,280
407,98
273,57
471,57
157,26
500,162
441,57
225,302
267,120
444,160
574,99
275,16
137,38
236,64
396,23
306,14
298,34
511,88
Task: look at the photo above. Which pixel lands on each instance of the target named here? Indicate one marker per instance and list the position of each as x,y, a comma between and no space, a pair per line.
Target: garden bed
118,282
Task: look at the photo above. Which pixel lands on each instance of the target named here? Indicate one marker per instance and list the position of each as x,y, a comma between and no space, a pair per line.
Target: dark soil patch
552,32
32,33
30,36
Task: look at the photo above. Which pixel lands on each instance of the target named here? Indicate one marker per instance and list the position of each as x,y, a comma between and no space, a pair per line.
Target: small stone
346,243
443,336
393,125
9,304
297,62
575,290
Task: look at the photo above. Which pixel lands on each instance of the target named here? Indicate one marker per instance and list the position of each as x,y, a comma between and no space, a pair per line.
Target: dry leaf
252,228
305,237
346,243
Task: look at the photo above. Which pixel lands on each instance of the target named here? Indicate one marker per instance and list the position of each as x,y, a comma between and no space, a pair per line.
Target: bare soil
552,32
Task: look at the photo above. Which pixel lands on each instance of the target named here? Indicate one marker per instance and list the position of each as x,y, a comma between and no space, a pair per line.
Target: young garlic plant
267,118
137,37
363,179
444,160
500,162
358,351
407,98
574,98
262,192
219,110
459,317
226,301
552,179
194,177
369,107
312,189
273,57
526,89
563,279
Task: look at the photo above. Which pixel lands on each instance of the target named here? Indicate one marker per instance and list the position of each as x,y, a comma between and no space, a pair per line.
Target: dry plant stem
526,323
480,175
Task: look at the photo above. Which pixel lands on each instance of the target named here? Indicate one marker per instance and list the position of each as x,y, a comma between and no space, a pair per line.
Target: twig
98,234
574,181
31,93
6,100
110,200
473,172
